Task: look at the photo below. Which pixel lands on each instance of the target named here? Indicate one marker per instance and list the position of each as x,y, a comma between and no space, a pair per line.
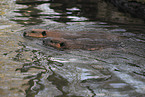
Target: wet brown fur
40,33
65,41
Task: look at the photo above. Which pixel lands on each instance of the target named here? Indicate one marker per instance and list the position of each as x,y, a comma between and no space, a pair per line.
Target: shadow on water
59,82
35,84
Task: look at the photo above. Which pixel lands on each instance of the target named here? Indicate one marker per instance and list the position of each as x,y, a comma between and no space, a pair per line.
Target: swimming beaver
41,33
86,41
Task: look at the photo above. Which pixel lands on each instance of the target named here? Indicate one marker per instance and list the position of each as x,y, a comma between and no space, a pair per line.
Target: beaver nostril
24,34
43,42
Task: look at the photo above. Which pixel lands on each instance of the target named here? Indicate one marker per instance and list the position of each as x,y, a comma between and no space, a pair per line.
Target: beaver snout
57,43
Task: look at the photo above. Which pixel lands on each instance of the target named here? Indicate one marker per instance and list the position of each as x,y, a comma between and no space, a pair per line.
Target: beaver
83,43
86,41
41,33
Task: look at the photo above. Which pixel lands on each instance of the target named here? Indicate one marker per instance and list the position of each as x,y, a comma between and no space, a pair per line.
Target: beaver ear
62,44
24,34
44,33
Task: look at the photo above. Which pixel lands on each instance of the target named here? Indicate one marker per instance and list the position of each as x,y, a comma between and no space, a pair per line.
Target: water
30,69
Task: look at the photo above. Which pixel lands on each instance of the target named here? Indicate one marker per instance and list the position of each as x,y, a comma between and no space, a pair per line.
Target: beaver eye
44,33
62,44
33,32
51,41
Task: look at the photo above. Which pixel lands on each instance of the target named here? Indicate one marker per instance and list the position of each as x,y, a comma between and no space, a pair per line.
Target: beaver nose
46,41
24,34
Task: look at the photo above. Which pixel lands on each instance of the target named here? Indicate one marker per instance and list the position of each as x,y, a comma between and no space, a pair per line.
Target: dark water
30,69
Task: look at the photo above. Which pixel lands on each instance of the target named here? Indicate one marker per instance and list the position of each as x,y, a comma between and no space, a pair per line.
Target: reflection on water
64,11
28,16
29,69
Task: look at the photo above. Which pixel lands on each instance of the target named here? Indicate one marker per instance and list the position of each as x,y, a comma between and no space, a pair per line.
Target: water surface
30,69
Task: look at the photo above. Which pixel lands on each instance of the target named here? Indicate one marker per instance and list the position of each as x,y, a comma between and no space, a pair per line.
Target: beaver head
56,43
39,33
